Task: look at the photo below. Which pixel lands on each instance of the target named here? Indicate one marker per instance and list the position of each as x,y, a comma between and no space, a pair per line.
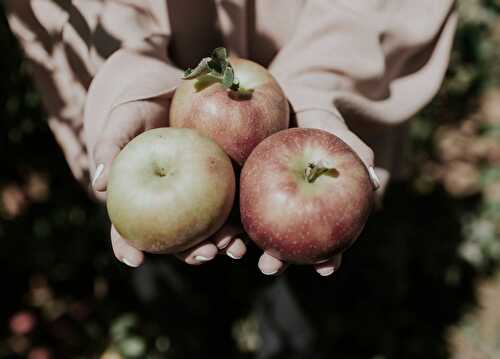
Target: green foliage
456,137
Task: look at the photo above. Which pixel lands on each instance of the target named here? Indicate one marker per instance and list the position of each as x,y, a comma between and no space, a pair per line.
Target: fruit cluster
304,195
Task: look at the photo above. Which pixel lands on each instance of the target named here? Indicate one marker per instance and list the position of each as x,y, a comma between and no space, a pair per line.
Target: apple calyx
314,170
216,68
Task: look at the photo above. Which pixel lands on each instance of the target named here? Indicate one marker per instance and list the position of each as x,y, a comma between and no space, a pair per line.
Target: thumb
333,124
364,152
123,123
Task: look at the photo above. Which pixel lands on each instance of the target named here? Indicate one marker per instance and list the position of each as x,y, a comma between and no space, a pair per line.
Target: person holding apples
107,71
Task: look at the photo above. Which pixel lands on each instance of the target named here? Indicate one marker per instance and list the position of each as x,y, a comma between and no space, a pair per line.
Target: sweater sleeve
89,57
139,70
379,61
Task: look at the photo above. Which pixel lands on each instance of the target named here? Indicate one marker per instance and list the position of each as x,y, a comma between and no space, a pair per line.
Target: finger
100,196
324,120
236,249
270,265
123,251
364,152
383,177
225,235
200,254
124,123
330,266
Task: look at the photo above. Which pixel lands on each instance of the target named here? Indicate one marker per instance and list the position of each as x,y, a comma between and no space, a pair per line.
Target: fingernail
130,263
224,243
325,272
322,261
231,255
269,273
374,178
202,258
97,174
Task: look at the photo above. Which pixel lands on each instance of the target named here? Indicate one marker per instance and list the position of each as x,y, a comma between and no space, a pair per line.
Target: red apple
304,195
169,189
236,120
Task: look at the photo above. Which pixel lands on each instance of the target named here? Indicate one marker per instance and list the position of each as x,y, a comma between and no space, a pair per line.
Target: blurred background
422,282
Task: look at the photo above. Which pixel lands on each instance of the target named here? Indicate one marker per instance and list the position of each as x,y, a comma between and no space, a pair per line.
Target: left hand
123,124
131,94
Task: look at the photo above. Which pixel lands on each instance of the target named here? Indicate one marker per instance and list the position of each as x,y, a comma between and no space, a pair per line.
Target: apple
237,103
304,195
169,189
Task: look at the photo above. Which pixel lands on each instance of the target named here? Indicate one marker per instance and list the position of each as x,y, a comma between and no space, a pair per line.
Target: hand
124,123
129,95
327,121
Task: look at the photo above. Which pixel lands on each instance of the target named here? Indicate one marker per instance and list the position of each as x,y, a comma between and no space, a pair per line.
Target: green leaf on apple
201,69
220,54
219,69
205,81
228,78
219,61
215,67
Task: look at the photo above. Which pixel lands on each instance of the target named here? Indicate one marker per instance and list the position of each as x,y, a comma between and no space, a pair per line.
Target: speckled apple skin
292,219
236,124
169,189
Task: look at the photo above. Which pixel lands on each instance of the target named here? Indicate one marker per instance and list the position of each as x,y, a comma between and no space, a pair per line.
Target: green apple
169,189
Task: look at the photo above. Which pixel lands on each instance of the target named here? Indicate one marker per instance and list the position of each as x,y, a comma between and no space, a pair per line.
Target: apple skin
236,123
297,221
169,189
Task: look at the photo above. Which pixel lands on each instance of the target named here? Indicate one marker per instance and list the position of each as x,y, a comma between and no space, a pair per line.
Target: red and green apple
304,195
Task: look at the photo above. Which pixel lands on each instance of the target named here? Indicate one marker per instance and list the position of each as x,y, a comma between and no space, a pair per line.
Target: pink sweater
371,63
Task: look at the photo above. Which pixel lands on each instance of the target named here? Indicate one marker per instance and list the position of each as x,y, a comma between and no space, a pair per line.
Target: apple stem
314,170
217,68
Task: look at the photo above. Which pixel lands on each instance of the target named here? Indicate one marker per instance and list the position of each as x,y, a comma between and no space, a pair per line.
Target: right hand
329,122
124,123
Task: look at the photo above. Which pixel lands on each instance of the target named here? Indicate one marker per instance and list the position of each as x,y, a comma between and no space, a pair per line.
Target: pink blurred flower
37,187
13,200
39,353
22,323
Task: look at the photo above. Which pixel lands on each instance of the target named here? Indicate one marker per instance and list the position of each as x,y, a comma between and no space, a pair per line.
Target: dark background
420,283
